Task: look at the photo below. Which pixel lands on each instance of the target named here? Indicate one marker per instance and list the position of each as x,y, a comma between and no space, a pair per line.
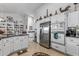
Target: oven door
58,37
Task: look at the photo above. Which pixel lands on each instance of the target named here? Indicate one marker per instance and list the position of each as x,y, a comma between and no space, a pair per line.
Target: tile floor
34,47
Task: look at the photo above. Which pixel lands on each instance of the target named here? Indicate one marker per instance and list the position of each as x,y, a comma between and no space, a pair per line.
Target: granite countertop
14,36
72,37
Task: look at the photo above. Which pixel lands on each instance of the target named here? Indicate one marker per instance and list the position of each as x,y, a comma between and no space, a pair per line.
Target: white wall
30,22
25,19
16,17
52,7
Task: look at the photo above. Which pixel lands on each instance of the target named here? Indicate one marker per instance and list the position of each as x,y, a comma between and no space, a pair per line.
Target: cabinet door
58,47
12,44
72,49
1,48
6,46
6,50
73,19
24,42
53,19
16,43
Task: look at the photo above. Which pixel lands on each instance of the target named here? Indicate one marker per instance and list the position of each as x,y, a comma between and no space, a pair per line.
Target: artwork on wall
36,20
40,18
50,14
9,18
75,4
56,12
44,16
66,9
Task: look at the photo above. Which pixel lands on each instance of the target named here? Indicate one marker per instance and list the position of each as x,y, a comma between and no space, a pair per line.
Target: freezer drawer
58,47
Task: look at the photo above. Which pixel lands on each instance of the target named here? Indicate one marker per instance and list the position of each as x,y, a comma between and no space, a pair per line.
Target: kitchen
39,29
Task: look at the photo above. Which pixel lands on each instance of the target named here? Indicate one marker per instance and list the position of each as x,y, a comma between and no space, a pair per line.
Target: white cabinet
23,42
38,30
72,47
12,44
6,50
58,47
1,48
6,46
16,43
73,19
58,18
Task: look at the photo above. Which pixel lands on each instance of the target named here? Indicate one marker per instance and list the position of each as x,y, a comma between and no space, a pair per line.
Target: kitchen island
12,44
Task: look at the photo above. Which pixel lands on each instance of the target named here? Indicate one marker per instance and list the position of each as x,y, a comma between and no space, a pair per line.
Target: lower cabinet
12,44
58,47
6,50
72,46
1,49
72,49
24,43
16,43
5,46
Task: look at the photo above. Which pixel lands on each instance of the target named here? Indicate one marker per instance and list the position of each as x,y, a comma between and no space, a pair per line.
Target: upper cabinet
58,22
58,18
73,19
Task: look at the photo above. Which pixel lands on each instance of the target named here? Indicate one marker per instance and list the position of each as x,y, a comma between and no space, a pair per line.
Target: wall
52,7
25,19
16,17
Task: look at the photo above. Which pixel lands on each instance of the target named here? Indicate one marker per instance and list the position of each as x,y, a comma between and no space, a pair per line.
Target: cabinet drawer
72,40
58,47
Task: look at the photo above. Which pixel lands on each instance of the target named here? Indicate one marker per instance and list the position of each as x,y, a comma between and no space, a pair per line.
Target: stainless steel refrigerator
45,34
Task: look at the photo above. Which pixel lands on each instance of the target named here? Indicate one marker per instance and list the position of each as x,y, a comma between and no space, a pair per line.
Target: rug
40,54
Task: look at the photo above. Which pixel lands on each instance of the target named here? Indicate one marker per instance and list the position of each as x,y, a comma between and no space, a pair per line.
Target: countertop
14,36
72,37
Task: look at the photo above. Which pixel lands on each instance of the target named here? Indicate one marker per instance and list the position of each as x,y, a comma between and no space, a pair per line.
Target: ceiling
21,8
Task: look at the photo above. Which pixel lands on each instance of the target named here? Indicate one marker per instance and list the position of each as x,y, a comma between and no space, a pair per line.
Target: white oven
58,37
